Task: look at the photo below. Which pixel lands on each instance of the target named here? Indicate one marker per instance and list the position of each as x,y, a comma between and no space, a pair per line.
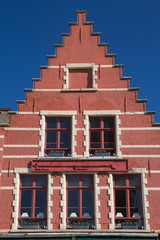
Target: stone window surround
144,191
102,113
45,114
79,66
15,203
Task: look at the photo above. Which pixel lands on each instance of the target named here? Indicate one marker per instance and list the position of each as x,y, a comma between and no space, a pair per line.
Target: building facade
80,158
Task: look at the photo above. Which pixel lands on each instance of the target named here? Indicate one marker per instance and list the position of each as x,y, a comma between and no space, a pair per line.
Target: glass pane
51,137
95,136
108,122
86,180
25,212
120,198
87,198
119,180
41,180
134,180
73,198
95,145
87,212
51,145
72,180
40,198
73,212
40,212
108,145
135,202
27,181
108,136
65,138
121,212
26,198
65,123
51,123
94,122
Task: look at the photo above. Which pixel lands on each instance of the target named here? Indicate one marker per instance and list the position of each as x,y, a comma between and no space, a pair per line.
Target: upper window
80,201
33,196
102,136
128,210
58,136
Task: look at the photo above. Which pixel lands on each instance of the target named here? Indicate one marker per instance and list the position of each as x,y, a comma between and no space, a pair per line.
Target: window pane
134,180
108,145
108,136
41,180
86,180
27,181
65,123
25,212
95,136
87,198
95,145
94,122
108,122
51,137
26,198
40,198
120,198
65,138
119,180
40,212
87,212
121,212
51,122
73,198
73,212
73,180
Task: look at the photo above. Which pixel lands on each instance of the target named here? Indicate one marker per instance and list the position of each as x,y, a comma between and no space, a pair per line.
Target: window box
102,153
80,225
130,225
30,225
56,153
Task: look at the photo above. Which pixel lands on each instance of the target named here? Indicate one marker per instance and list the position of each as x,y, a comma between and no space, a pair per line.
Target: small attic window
80,76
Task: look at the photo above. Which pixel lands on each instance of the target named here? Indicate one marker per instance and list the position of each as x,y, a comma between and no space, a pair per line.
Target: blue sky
30,28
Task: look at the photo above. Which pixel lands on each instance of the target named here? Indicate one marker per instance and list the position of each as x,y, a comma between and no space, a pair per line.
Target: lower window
128,207
80,201
33,196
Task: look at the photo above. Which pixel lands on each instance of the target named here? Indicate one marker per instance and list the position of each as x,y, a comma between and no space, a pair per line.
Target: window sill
79,90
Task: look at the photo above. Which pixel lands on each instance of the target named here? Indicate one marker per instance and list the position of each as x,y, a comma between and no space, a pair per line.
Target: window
33,196
80,201
102,136
58,136
127,194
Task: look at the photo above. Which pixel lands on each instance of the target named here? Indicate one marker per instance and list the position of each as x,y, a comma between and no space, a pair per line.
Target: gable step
51,56
65,34
118,65
133,89
96,34
126,78
110,55
20,101
156,124
28,90
103,44
58,45
36,79
141,100
150,112
43,67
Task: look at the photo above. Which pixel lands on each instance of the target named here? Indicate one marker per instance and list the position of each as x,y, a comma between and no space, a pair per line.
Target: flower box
130,226
102,154
31,226
56,154
80,226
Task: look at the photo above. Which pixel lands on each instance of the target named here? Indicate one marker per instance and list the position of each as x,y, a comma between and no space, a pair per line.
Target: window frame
80,187
58,131
102,129
33,188
127,189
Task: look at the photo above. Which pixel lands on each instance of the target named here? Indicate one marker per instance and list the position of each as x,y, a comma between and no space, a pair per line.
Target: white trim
79,66
130,113
6,171
15,202
7,188
142,156
141,128
22,129
50,203
79,89
153,188
106,113
96,202
20,156
34,113
63,214
25,145
85,64
1,136
154,171
140,146
111,202
44,114
1,149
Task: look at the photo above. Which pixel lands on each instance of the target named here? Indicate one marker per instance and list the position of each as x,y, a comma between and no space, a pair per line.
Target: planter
129,226
31,226
60,154
80,226
102,154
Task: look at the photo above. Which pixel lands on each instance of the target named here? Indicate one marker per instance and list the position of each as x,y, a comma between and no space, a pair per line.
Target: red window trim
127,188
33,188
101,129
58,130
80,188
